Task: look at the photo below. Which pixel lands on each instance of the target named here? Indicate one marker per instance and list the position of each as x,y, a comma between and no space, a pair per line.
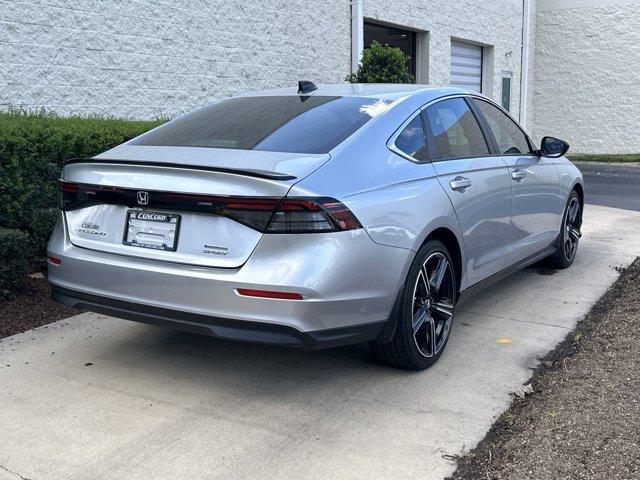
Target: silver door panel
537,205
483,211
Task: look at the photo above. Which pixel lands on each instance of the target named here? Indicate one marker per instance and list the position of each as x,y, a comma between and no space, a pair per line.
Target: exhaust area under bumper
223,328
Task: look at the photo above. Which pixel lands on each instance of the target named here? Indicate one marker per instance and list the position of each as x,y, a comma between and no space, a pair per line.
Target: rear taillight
79,195
265,214
312,215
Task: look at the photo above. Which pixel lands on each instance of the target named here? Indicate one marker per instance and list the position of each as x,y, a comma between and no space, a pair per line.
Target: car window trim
474,99
430,137
433,152
490,138
391,142
432,145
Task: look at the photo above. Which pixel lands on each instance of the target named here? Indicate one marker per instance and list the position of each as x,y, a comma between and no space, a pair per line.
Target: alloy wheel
433,301
571,232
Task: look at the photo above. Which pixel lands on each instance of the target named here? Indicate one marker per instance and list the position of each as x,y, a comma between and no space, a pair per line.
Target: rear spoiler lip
247,172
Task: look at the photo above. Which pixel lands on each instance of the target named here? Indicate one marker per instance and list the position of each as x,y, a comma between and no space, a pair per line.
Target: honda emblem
143,198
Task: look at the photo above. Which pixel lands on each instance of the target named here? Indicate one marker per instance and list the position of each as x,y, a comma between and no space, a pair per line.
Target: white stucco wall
144,58
586,75
138,58
496,23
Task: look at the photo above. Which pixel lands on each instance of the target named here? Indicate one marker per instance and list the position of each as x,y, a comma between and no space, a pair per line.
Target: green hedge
14,258
33,148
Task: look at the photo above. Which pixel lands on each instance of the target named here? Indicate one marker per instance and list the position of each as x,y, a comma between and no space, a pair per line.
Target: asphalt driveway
94,397
612,185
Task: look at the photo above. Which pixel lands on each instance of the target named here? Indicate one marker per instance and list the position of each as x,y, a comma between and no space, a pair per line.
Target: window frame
391,142
413,54
433,152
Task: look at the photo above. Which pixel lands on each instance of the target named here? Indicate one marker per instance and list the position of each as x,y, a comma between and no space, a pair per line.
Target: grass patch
606,157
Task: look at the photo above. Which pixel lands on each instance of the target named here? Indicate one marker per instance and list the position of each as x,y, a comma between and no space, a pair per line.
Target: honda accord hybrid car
315,216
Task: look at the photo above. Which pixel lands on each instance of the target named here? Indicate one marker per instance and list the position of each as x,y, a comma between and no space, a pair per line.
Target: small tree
382,64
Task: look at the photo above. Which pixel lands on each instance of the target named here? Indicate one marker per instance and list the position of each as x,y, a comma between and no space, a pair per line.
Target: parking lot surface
612,185
93,397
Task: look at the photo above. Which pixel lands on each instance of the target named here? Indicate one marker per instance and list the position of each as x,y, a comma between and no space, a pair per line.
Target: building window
506,91
405,40
466,65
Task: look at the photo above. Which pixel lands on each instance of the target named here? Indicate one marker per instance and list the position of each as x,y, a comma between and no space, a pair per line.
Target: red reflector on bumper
247,292
54,260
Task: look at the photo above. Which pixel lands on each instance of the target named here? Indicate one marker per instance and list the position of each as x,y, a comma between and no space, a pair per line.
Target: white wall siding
138,58
145,58
587,74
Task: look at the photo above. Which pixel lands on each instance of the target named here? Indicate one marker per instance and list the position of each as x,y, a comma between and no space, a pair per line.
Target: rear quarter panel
398,202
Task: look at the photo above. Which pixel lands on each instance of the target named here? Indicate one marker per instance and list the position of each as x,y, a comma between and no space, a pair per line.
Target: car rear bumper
348,283
224,328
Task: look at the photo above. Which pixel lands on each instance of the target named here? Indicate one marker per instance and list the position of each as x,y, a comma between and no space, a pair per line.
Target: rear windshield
299,124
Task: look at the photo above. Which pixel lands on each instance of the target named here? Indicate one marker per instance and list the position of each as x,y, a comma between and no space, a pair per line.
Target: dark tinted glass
511,140
411,140
300,124
506,93
405,40
456,130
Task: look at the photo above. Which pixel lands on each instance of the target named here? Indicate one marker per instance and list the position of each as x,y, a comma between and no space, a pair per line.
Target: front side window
411,140
456,130
511,140
298,124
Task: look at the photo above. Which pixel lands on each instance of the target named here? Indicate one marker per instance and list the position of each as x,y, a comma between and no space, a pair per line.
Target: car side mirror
553,147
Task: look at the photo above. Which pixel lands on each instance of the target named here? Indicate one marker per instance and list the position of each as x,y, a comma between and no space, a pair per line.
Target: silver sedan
315,217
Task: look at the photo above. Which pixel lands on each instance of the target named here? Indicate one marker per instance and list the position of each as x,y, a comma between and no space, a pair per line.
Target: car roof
382,91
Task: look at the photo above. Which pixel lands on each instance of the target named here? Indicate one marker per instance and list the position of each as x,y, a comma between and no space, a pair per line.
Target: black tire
423,314
569,237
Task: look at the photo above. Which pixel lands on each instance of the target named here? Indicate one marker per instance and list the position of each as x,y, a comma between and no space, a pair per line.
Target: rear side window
511,140
411,140
298,124
455,130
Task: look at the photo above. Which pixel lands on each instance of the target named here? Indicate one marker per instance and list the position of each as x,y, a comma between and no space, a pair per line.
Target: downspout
357,33
524,68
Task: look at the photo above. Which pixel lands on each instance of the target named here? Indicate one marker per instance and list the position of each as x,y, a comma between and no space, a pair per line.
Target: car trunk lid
183,209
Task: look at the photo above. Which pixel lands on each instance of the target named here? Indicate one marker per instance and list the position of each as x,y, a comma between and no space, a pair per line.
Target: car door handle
460,183
518,175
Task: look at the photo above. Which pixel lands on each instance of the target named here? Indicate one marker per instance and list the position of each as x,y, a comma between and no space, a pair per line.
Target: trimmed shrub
40,230
33,149
14,258
382,64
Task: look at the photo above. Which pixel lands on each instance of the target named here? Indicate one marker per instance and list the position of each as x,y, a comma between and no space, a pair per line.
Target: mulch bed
31,307
582,420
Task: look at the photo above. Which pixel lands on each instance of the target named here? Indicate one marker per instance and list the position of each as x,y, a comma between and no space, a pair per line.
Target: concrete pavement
164,405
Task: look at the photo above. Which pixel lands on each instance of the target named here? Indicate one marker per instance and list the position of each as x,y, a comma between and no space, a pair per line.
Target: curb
610,164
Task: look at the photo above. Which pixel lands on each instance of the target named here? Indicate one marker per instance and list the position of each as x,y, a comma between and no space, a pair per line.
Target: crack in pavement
515,319
2,467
